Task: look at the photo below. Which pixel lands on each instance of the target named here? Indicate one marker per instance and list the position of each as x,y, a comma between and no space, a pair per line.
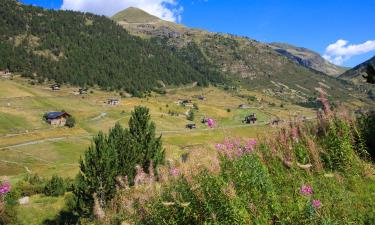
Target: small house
83,91
250,119
191,126
243,106
113,101
202,98
57,118
55,87
185,102
5,74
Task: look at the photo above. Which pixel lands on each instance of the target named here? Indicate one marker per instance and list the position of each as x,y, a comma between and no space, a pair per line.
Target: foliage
70,122
98,168
86,50
191,115
278,181
55,186
117,154
366,125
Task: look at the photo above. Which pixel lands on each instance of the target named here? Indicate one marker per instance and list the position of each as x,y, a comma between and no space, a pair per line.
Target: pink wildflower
211,123
316,203
5,188
250,145
175,172
294,133
219,147
306,190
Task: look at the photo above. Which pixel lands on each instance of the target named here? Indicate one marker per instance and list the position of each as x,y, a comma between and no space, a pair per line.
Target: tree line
86,49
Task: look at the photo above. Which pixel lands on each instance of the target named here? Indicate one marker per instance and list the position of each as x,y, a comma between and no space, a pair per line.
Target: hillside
356,73
253,64
85,49
308,58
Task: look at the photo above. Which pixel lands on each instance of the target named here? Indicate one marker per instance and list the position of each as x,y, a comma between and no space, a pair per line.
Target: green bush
366,125
55,187
70,122
191,115
338,145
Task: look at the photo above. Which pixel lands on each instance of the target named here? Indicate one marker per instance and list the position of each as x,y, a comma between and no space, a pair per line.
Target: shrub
337,142
55,187
70,122
366,125
191,115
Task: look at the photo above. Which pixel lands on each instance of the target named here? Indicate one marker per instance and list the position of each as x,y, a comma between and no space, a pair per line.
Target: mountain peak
134,15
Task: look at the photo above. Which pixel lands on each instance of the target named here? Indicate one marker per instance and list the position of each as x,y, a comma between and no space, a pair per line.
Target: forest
86,50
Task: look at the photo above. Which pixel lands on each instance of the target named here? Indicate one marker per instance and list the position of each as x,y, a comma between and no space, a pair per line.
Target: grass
29,144
39,209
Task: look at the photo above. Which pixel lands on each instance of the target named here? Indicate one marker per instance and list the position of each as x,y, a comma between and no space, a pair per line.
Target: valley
26,141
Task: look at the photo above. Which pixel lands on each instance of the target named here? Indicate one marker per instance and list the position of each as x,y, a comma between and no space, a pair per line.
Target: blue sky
314,24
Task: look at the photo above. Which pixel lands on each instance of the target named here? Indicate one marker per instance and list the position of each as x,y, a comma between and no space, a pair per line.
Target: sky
342,31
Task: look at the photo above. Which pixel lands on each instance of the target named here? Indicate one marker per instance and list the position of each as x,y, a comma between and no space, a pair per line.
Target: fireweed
4,188
235,148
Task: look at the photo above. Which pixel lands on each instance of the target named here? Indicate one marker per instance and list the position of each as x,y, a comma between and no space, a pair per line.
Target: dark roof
54,115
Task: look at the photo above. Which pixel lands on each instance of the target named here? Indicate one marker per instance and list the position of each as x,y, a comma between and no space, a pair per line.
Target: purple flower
175,172
4,188
316,203
250,145
306,190
211,123
219,147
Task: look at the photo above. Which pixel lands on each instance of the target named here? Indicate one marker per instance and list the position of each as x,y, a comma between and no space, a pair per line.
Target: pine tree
143,139
99,169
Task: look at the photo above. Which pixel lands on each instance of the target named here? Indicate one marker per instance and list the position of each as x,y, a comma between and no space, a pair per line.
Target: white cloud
340,51
165,9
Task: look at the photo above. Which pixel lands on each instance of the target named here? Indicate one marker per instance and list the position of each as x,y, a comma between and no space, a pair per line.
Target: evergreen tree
116,154
143,139
98,169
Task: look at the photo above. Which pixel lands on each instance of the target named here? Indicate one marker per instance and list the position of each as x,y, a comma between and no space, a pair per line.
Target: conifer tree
98,169
144,143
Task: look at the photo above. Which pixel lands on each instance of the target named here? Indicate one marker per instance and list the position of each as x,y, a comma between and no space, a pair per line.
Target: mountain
253,64
308,58
85,49
356,73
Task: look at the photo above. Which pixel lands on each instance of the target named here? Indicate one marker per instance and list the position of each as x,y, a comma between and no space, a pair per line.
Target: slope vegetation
253,64
308,58
356,73
85,49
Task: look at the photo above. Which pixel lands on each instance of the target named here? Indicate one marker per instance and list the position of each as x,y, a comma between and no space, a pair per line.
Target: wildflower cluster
234,148
4,188
307,190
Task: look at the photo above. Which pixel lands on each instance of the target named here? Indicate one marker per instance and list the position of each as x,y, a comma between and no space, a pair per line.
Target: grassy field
29,145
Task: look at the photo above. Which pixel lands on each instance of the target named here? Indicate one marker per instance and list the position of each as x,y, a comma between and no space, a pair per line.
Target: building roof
54,115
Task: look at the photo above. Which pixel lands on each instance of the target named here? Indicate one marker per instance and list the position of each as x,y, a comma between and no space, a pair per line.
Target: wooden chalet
55,87
57,118
113,101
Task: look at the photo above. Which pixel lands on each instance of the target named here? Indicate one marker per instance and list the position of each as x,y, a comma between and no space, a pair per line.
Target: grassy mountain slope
356,73
308,58
85,49
254,64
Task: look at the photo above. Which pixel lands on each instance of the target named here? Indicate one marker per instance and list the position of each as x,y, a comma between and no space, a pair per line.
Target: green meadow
29,145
